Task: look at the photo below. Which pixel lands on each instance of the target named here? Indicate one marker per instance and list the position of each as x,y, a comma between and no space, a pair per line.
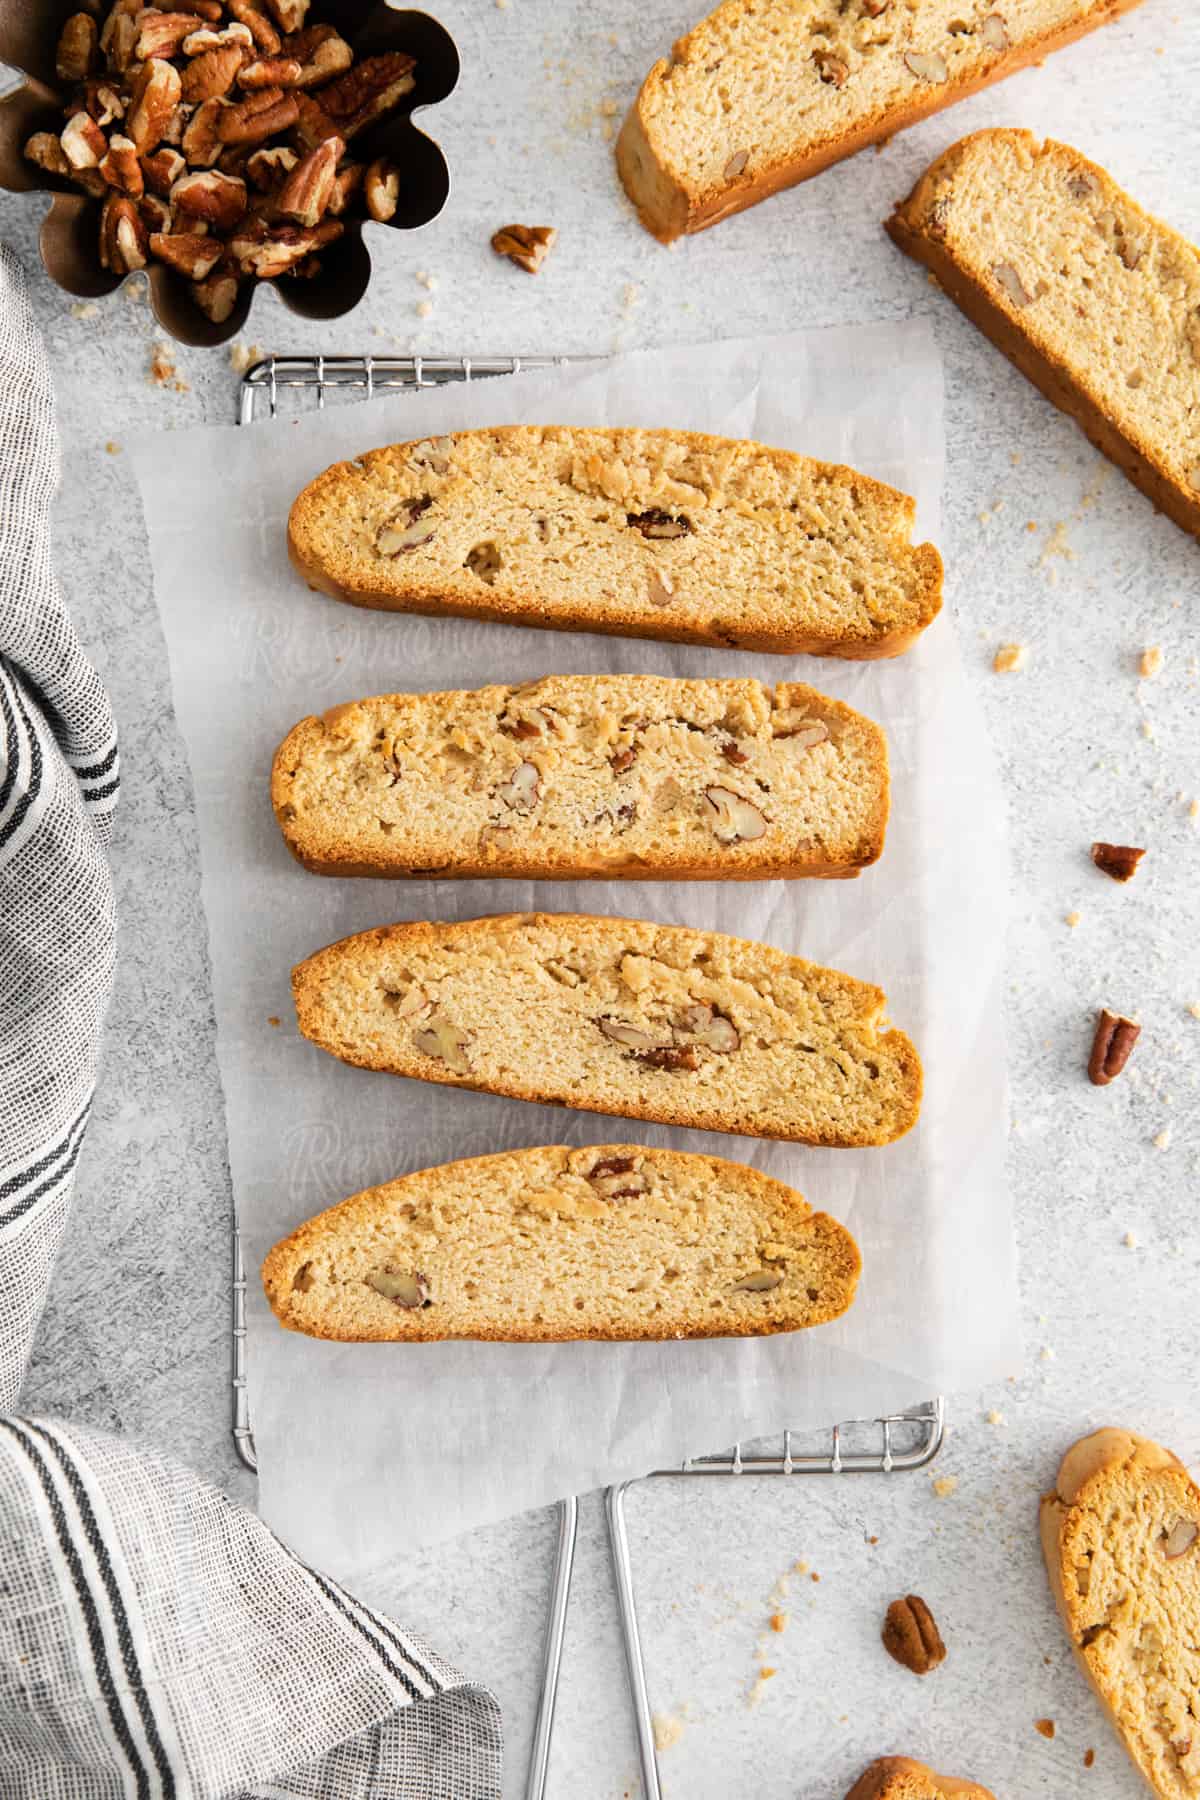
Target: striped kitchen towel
158,1641
58,788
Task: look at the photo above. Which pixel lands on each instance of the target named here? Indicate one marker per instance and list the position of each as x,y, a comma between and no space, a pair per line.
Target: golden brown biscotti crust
670,208
619,1016
619,772
900,1778
728,585
913,227
1113,1484
609,1242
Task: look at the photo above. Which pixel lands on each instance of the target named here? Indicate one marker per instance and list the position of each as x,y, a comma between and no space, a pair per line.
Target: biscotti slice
612,1241
1121,1535
655,534
1092,299
618,1016
764,93
587,775
899,1778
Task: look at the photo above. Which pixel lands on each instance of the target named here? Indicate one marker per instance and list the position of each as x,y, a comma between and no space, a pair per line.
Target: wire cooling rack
893,1445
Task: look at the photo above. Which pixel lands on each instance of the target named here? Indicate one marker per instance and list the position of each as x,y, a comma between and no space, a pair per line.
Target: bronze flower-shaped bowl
70,237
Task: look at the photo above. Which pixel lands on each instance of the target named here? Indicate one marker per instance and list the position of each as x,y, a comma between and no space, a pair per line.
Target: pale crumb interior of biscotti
713,535
640,1019
599,772
614,1241
1106,292
1130,1554
762,81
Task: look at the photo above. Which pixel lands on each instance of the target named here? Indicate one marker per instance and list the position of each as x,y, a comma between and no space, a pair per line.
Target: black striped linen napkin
156,1641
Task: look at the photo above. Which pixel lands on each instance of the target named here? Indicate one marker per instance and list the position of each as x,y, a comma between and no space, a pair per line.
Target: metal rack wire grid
895,1444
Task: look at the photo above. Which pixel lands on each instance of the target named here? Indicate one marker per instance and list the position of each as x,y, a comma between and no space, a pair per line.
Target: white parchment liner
362,1447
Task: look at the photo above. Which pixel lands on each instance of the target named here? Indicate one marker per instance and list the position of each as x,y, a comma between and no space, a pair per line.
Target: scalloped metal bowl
70,232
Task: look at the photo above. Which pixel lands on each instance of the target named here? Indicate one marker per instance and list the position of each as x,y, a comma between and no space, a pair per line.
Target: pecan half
155,95
1118,860
911,1636
654,523
211,74
220,200
304,196
162,33
1111,1047
527,246
365,92
78,48
258,117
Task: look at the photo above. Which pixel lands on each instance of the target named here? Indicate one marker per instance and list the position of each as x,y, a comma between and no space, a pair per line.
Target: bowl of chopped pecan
218,144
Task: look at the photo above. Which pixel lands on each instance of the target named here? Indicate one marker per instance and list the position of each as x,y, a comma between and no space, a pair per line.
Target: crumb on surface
1009,658
162,365
801,1567
1130,1240
244,356
1046,1354
873,1540
1194,1008
1073,919
668,1729
85,309
1089,1757
995,1418
272,1020
1163,1140
424,309
945,1485
1045,1727
759,1686
113,448
779,1621
1151,663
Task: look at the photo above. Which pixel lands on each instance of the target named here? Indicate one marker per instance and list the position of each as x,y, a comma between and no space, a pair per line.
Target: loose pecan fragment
266,168
1111,1047
911,1636
123,237
120,167
381,189
201,142
1118,860
527,246
83,143
289,15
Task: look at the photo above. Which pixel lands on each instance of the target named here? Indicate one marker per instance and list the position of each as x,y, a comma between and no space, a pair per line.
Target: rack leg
618,1539
556,1625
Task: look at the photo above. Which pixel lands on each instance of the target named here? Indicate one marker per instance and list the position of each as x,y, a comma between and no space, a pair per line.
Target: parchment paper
360,1446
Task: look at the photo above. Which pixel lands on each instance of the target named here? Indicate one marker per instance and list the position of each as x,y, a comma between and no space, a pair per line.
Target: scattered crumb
113,448
85,309
1194,810
162,365
1057,544
424,309
1163,1140
1194,1009
814,1576
630,295
1047,1354
759,1687
426,279
1031,525
1009,658
134,290
945,1485
1130,1240
609,109
872,1540
801,1568
1045,1726
272,1020
779,1621
1073,919
244,356
1151,663
1147,730
1089,1757
667,1729
995,1418
503,5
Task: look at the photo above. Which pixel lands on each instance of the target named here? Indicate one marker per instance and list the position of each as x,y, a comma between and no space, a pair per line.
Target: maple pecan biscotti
657,534
764,93
587,775
899,1778
618,1016
1121,1536
612,1241
1091,298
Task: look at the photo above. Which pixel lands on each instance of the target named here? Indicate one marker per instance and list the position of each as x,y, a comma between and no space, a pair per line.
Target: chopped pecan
1118,860
230,37
622,760
831,68
527,246
162,169
670,1056
321,52
444,1042
485,561
270,71
617,1178
201,144
731,817
83,142
78,48
1111,1047
403,1287
162,33
220,200
405,530
119,35
216,297
734,754
654,523
211,74
708,1026
123,236
304,196
278,250
120,167
193,255
381,189
102,102
523,789
154,96
911,1636
346,184
289,15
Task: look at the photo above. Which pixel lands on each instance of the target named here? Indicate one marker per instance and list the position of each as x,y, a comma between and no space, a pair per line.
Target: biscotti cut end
900,1778
1095,301
587,776
619,1016
615,1241
762,94
1121,1537
655,534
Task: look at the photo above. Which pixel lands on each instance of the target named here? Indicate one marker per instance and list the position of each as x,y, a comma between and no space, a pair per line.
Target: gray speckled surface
135,1335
